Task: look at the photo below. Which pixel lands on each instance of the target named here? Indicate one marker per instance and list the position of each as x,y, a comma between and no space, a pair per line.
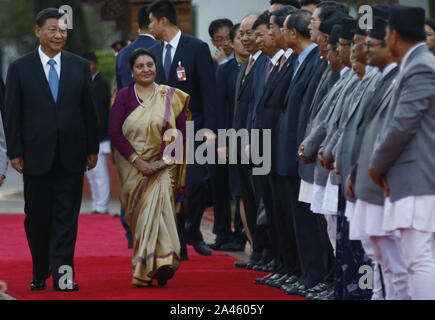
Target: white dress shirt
46,66
174,44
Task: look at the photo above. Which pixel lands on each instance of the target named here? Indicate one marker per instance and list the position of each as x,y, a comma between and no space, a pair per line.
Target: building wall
235,10
417,3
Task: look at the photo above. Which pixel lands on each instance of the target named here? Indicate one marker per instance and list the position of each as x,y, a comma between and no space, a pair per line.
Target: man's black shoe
232,246
302,290
291,289
316,290
217,244
37,285
274,277
270,266
278,282
202,248
72,287
262,280
259,267
240,264
291,280
326,295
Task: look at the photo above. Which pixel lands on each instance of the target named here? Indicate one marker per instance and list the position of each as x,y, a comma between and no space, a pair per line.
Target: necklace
137,96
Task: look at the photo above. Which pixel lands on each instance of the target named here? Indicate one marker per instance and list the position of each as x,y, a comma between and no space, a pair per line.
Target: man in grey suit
402,161
366,220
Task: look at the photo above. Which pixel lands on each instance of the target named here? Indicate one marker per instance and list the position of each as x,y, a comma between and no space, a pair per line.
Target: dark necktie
268,69
168,61
283,60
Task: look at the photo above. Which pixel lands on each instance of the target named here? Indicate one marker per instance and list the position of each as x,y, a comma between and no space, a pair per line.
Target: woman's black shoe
163,275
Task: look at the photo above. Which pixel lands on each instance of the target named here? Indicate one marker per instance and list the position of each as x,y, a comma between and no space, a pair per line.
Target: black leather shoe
262,280
202,248
318,288
232,246
259,267
302,290
270,266
326,295
291,289
240,264
278,282
75,287
38,285
217,244
164,274
274,277
291,280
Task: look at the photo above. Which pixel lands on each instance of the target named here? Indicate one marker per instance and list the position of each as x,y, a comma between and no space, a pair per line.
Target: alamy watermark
66,280
67,12
205,153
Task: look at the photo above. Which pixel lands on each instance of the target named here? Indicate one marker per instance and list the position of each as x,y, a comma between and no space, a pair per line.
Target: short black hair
233,31
294,3
282,13
431,24
138,53
143,18
164,9
332,4
308,2
215,25
300,21
264,18
48,13
90,56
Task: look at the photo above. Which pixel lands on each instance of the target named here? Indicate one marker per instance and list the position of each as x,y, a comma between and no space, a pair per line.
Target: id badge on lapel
181,73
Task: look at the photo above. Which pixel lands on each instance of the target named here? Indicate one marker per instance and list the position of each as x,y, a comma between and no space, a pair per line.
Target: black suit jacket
194,55
226,78
36,125
291,115
102,96
271,103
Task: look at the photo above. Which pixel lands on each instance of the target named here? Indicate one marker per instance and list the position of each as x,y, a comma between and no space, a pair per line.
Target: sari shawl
149,201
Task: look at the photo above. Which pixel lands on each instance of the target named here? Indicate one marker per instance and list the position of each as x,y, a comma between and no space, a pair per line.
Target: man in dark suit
267,112
185,63
123,77
144,40
52,137
244,87
98,177
227,183
291,120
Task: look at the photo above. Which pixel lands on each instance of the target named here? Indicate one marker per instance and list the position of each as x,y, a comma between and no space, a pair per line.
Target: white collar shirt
44,60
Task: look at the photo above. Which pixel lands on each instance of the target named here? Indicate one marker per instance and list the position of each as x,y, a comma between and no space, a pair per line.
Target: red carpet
103,269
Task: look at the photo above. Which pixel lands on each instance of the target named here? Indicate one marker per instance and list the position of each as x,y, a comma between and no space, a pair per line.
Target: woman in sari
151,186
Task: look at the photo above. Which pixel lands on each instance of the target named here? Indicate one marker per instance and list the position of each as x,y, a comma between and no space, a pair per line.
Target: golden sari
149,201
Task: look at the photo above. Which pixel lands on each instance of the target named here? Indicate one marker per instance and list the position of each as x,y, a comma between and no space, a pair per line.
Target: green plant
106,63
